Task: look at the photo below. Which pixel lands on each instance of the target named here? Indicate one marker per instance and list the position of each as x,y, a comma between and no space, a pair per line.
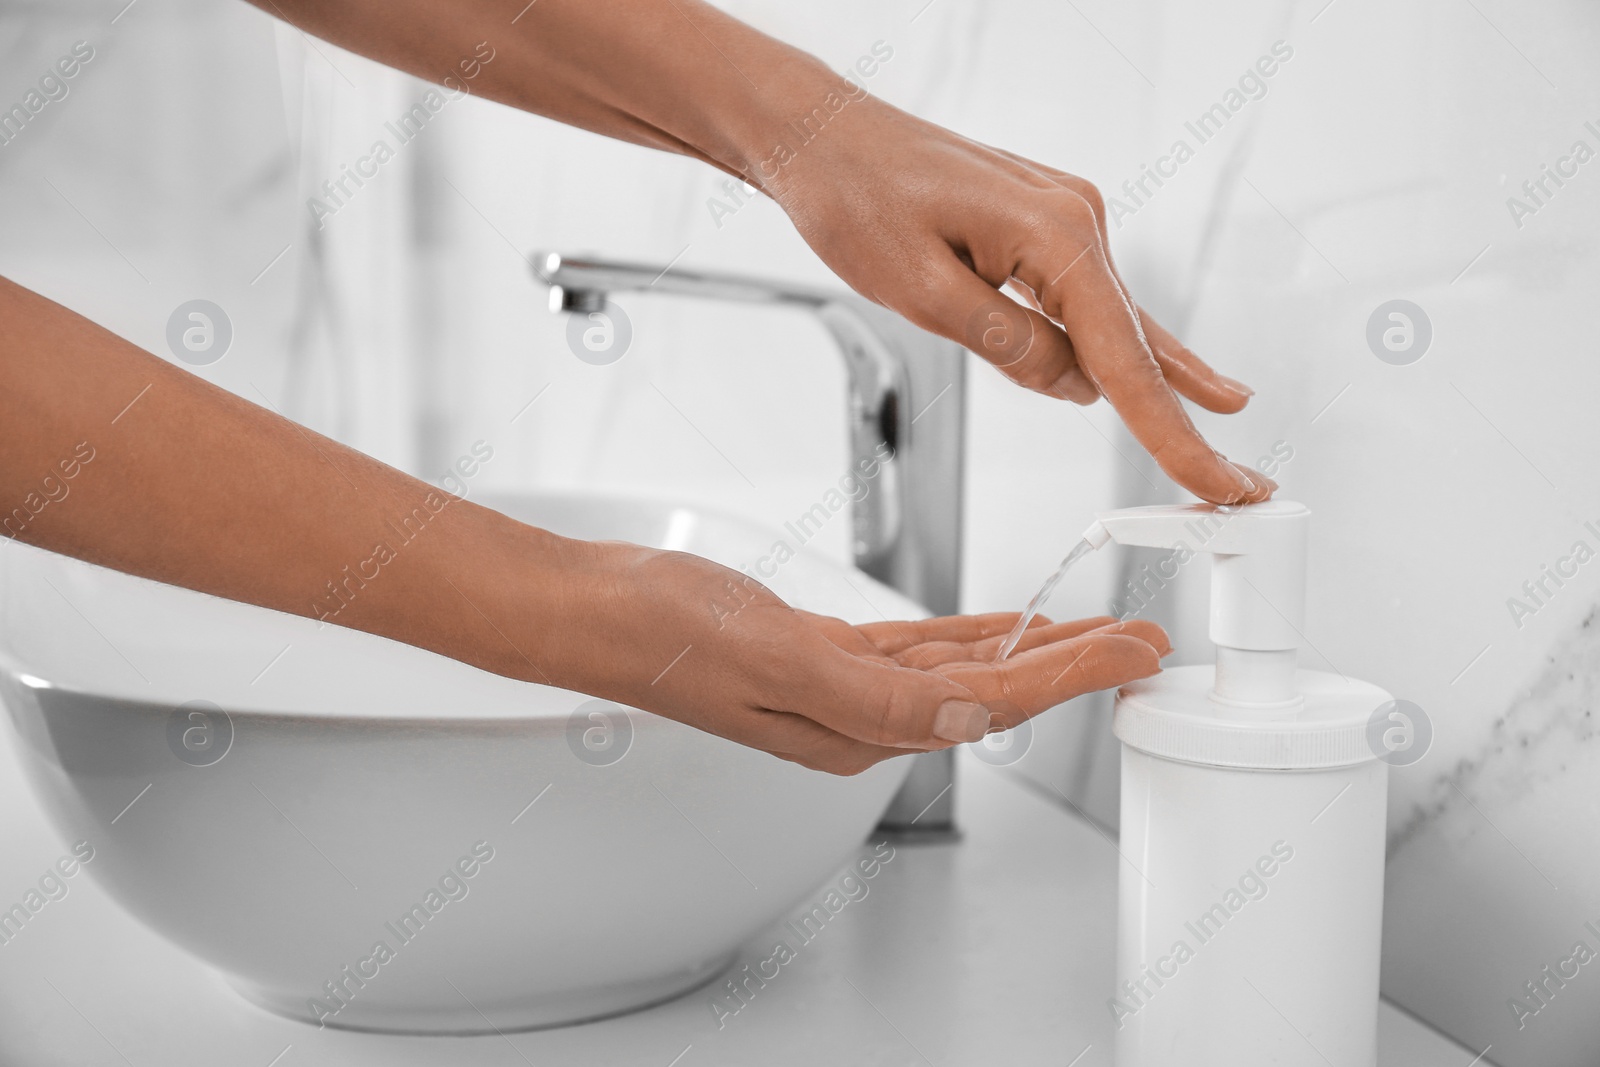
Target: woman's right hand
932,225
680,636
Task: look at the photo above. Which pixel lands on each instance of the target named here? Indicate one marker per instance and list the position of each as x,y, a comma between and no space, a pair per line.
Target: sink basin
361,834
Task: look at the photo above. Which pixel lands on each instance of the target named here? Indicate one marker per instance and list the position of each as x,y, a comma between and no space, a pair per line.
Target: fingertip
1221,401
1262,486
1249,486
1145,630
1214,392
1145,660
1146,651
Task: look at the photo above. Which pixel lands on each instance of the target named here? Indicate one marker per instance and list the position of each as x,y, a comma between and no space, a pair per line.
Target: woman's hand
922,221
932,225
682,637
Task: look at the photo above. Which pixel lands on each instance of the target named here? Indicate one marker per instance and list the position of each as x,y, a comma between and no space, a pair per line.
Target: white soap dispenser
1253,821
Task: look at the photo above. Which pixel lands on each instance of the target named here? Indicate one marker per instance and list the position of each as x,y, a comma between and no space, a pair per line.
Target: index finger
1083,296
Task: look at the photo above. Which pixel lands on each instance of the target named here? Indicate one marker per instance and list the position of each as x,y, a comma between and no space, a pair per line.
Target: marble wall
1376,163
1386,172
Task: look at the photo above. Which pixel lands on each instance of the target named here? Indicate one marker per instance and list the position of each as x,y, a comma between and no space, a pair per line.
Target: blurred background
1383,160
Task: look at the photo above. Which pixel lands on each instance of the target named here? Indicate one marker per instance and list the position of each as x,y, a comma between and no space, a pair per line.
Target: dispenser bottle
1253,821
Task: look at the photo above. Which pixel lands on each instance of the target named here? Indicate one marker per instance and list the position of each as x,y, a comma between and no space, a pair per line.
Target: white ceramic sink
331,781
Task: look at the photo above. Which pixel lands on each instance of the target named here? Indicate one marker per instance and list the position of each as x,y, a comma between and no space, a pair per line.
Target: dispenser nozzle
1258,584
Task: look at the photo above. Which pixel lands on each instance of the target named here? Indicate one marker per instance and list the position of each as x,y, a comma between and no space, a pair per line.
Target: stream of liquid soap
1079,550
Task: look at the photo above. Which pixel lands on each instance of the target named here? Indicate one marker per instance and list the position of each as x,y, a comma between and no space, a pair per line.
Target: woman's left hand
962,648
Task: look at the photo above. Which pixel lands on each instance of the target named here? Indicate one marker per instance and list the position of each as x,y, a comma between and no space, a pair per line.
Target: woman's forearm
114,456
678,75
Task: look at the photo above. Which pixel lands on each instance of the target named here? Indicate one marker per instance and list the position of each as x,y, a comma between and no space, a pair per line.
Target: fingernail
961,720
1236,385
1247,483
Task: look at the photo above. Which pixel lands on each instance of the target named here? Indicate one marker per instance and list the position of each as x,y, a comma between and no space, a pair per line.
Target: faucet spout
567,275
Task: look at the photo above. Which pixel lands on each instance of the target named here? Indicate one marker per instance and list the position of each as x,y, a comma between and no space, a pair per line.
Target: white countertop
998,949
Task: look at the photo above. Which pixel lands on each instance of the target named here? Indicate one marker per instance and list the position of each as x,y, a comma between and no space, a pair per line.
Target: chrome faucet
906,392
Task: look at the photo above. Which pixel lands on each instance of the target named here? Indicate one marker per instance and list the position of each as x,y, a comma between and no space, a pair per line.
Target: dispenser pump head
1258,585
